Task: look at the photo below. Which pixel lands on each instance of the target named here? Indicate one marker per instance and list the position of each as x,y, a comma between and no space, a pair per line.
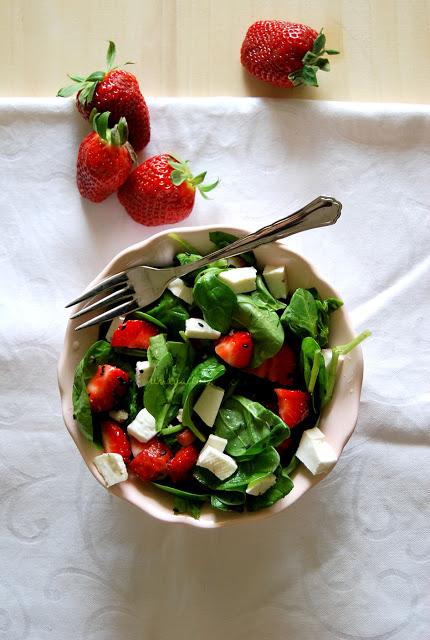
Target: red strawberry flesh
236,349
115,440
182,463
293,406
185,437
151,463
107,386
279,368
134,334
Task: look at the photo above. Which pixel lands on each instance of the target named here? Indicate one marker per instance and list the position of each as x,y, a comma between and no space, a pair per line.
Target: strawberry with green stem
162,190
105,158
116,91
285,54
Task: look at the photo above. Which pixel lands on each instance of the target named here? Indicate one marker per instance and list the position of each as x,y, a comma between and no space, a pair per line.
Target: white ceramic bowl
338,418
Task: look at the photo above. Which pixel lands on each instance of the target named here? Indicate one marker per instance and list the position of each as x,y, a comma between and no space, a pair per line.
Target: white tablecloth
351,560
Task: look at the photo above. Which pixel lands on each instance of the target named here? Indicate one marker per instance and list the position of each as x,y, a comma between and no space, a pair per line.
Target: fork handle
321,212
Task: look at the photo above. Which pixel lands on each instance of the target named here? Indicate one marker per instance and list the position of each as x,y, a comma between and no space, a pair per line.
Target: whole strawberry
284,54
116,91
104,159
161,191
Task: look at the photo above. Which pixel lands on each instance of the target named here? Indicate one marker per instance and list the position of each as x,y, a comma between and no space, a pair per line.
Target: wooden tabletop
191,47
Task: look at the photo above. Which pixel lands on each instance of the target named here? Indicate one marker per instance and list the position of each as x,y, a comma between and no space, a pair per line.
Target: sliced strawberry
236,349
182,462
106,387
185,437
134,334
114,439
280,368
151,463
136,446
293,406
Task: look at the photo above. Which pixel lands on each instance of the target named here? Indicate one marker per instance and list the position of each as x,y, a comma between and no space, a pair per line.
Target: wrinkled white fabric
350,561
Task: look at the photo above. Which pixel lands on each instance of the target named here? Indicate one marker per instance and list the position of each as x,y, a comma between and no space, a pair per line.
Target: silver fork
139,286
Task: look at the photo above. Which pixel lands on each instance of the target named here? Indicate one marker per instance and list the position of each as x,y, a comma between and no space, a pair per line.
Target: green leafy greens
307,315
172,362
263,324
99,353
215,299
207,371
249,427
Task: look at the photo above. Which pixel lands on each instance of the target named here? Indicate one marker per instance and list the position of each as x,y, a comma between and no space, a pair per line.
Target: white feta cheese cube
239,280
315,452
136,446
276,280
180,290
143,426
221,465
179,416
111,467
208,404
143,372
198,328
119,415
216,442
259,487
315,434
116,322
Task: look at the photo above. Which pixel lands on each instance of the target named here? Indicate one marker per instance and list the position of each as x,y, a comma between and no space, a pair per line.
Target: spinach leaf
301,315
191,495
133,353
215,299
314,372
325,308
331,369
264,326
308,315
205,372
263,298
185,501
186,506
141,315
228,501
189,258
172,363
294,463
98,353
249,427
183,243
221,239
170,311
247,471
279,490
132,401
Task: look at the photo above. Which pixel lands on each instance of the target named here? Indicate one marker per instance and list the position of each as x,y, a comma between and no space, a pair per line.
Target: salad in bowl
226,398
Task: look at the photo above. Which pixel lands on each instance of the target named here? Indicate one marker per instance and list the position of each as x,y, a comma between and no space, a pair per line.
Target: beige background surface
191,47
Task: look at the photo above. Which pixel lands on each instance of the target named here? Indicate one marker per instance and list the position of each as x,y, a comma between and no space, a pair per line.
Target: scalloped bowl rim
344,405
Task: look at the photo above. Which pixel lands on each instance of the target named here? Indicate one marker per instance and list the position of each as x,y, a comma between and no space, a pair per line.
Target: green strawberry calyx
86,86
313,61
182,173
117,136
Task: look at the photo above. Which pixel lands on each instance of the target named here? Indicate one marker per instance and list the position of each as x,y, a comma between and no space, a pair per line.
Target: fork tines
122,294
